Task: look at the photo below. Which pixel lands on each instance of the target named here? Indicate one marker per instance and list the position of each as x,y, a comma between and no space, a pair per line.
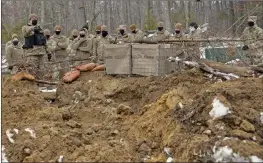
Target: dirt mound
106,118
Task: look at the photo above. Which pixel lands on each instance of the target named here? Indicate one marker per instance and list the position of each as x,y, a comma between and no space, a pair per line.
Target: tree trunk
42,18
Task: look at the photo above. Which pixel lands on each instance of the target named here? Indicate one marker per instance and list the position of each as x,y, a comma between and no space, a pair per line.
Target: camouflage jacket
59,45
14,54
99,46
253,34
136,37
161,35
83,47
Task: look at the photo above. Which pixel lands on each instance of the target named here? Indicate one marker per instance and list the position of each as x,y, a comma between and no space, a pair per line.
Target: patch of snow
181,105
16,130
90,81
167,151
32,132
9,136
225,153
254,138
4,159
219,109
170,159
261,117
60,158
255,159
51,90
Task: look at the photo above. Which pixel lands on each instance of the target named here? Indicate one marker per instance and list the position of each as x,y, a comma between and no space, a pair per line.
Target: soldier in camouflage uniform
34,54
11,41
99,46
123,36
14,56
59,46
136,34
161,33
193,47
98,32
83,45
194,31
253,47
73,36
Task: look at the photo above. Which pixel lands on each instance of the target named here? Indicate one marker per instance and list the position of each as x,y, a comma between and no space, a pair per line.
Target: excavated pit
105,118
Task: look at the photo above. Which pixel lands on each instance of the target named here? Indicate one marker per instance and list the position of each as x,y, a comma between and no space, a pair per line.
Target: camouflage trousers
60,68
253,57
35,66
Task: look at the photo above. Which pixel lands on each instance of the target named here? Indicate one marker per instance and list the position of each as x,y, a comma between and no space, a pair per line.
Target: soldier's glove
245,47
10,67
49,57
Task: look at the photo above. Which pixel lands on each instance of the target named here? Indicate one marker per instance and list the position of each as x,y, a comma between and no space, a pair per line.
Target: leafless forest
224,17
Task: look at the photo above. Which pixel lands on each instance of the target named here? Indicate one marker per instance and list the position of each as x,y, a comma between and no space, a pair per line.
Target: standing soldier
178,32
193,47
83,47
73,36
11,41
59,46
161,33
194,31
105,39
253,46
14,55
136,34
48,45
98,32
123,35
34,47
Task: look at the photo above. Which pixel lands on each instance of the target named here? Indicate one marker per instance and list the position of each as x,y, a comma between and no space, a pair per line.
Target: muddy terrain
181,117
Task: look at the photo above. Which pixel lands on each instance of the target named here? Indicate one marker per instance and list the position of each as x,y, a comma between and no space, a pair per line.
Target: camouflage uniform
254,53
136,35
99,45
34,56
161,35
193,47
122,38
59,46
70,51
10,42
83,47
95,40
14,56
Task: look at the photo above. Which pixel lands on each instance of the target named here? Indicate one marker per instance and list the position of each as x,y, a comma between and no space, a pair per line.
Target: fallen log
241,71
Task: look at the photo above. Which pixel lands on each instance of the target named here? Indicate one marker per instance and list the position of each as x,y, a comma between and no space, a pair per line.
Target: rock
145,148
154,145
123,109
27,151
76,142
90,131
73,124
113,143
66,115
208,132
246,126
241,134
96,127
114,133
97,158
108,101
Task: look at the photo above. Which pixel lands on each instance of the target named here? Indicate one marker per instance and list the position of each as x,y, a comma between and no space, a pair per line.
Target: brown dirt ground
105,118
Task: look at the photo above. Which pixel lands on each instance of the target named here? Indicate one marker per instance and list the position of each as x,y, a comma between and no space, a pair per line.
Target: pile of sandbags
71,76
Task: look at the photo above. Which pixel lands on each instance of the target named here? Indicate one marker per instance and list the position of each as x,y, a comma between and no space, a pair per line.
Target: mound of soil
106,118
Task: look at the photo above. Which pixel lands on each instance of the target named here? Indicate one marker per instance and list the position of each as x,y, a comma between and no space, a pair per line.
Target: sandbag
71,76
99,68
86,67
22,75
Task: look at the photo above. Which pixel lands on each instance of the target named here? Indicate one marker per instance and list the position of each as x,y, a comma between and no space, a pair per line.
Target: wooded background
225,18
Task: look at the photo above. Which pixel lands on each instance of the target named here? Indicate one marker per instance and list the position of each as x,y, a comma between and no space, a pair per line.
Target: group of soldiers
81,47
